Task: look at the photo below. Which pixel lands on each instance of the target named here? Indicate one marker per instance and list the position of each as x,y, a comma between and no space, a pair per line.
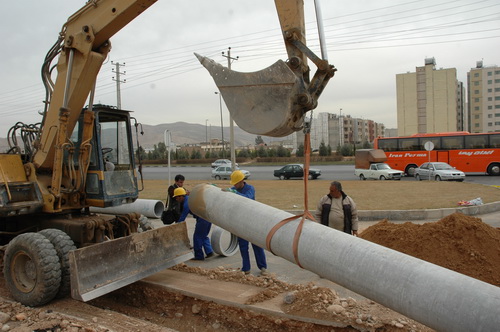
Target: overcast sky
369,42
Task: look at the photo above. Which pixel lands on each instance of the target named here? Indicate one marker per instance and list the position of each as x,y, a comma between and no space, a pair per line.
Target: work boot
263,272
197,259
210,255
246,272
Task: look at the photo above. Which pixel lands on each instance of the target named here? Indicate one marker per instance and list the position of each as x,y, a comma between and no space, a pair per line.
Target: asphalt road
328,172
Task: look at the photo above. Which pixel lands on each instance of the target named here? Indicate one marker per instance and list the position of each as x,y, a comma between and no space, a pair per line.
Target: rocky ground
461,243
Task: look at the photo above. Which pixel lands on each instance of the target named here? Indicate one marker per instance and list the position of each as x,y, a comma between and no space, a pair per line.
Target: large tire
31,269
282,177
410,170
217,177
362,177
437,178
417,177
63,245
382,178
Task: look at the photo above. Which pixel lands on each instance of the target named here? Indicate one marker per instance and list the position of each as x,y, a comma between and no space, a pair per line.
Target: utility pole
118,81
231,123
221,123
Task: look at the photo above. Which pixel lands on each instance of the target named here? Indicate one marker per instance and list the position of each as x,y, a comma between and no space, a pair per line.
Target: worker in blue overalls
201,242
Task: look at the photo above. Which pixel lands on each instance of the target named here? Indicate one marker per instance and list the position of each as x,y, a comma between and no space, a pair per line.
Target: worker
246,190
337,210
173,209
201,242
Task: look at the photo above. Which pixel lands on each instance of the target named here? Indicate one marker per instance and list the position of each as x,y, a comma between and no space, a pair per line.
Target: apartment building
483,92
429,100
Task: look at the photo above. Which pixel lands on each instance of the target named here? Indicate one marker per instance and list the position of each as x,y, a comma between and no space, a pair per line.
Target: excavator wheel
31,269
63,245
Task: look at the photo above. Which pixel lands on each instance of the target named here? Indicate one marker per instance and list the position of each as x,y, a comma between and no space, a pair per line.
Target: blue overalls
260,255
200,237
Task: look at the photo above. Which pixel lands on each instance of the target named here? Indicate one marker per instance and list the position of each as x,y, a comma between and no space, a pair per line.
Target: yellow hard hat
236,177
179,192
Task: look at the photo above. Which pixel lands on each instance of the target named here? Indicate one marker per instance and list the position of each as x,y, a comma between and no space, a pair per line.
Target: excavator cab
111,178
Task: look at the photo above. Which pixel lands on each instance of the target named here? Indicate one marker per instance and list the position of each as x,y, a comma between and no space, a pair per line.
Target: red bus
470,153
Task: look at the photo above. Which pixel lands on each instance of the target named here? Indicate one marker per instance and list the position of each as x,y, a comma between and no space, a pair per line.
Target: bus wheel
494,169
410,170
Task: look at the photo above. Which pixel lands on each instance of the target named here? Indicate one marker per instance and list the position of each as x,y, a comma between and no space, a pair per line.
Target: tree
323,150
259,140
261,152
282,152
300,151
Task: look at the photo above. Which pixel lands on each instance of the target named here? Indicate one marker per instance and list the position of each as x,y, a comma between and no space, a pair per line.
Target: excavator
80,157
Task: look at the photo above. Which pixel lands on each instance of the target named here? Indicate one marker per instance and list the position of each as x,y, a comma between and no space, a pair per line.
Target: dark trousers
260,255
200,239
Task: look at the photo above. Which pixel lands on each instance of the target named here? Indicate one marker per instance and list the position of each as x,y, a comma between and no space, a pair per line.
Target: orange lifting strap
305,214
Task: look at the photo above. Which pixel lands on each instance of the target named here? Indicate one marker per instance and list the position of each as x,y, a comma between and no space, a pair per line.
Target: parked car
224,172
222,162
295,171
438,171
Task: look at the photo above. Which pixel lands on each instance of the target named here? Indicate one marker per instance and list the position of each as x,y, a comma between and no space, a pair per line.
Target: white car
224,172
438,171
222,162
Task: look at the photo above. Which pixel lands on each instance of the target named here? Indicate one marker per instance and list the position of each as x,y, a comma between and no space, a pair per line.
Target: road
328,172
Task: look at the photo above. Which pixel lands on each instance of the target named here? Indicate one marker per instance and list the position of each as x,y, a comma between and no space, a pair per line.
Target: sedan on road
295,171
224,172
438,171
222,162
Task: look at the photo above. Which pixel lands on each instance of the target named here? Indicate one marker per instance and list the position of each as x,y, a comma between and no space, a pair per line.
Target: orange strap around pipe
304,215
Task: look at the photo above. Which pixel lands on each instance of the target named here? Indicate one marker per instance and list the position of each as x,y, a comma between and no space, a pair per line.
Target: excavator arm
274,101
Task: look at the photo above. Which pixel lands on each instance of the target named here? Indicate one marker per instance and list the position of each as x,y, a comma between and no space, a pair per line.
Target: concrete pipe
437,297
149,207
220,243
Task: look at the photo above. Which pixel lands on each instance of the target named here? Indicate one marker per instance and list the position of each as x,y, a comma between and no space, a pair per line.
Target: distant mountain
182,133
192,133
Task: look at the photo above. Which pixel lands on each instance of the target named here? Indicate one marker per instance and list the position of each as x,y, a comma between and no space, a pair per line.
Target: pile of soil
457,242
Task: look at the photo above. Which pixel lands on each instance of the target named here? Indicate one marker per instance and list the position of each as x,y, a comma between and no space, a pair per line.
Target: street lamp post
221,124
168,139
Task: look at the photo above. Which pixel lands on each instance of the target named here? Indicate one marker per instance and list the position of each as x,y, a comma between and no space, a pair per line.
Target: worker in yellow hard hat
201,242
246,190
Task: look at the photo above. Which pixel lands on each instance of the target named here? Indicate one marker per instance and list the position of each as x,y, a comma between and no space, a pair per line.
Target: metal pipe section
437,297
149,207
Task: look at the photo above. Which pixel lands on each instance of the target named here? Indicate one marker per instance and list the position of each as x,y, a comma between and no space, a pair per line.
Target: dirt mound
457,242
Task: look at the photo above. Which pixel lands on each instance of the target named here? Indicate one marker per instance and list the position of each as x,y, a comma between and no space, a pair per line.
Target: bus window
476,142
452,142
388,145
435,140
494,141
409,144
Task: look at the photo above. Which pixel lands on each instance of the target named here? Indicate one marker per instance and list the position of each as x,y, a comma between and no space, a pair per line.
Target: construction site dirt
218,297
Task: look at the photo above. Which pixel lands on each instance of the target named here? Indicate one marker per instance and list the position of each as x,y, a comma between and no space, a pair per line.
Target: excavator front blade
265,102
101,268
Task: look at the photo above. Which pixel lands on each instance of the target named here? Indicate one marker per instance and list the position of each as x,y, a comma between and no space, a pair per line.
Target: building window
476,124
477,83
497,123
497,115
490,99
497,106
476,74
497,72
490,73
497,81
490,90
490,107
476,100
489,125
497,89
476,92
490,81
476,116
497,98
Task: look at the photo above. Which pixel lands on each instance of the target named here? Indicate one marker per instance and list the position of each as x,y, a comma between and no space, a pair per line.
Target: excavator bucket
101,268
266,102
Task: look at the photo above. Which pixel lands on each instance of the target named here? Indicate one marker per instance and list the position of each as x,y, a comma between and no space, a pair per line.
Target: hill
182,133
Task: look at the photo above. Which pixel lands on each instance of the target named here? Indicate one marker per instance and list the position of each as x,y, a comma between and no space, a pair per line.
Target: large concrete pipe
437,297
149,207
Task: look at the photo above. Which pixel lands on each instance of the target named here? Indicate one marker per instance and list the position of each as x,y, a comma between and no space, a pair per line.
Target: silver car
438,171
224,172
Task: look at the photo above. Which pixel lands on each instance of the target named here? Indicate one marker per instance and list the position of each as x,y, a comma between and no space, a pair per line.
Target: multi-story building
337,130
484,98
429,100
